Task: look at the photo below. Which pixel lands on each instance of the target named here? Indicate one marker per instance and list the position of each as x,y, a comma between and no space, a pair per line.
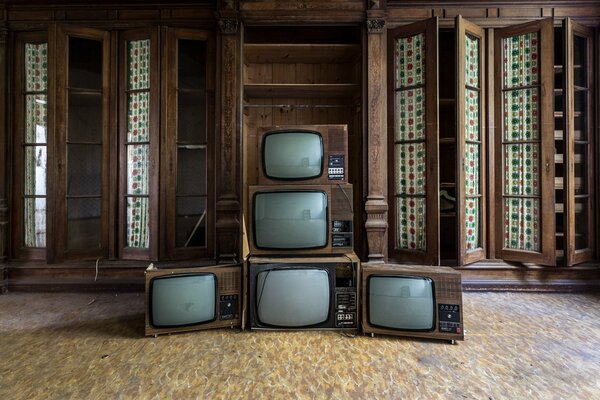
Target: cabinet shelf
299,90
559,158
559,208
288,53
448,214
447,140
559,135
559,183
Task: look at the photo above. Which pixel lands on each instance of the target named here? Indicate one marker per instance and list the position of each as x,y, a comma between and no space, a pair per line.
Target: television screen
400,302
290,219
292,155
181,300
292,297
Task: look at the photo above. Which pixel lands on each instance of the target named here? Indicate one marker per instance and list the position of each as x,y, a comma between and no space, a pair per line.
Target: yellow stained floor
91,346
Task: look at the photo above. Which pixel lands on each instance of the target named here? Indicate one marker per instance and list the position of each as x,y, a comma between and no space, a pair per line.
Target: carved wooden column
228,207
4,161
376,206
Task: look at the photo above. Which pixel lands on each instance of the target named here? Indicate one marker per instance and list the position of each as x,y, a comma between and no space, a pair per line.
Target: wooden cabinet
103,163
437,143
302,75
437,136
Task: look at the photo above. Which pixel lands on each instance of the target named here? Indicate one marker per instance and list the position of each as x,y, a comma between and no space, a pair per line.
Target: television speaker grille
230,281
449,288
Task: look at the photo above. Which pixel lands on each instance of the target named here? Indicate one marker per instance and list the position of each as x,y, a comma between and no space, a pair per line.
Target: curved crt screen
293,155
401,302
292,297
290,220
183,300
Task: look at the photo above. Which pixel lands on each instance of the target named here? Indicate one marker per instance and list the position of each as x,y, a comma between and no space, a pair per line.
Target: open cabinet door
413,143
525,143
470,92
578,142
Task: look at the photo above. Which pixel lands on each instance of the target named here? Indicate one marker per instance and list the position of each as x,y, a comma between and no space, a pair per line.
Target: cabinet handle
547,165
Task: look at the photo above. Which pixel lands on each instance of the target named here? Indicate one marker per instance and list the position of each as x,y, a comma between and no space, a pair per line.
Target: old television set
412,300
307,154
300,219
303,293
195,298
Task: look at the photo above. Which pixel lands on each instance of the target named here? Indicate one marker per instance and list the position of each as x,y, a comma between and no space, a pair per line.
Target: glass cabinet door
471,141
82,144
189,127
413,133
525,143
578,129
32,140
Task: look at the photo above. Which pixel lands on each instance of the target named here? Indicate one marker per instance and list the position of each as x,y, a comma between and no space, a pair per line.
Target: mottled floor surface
518,346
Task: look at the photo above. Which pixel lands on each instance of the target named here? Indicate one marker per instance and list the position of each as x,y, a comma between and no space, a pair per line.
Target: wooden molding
228,26
376,25
228,206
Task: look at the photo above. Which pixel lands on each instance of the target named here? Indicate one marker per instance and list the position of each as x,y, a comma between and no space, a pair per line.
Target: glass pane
85,117
472,224
84,169
410,61
35,118
36,67
35,222
521,169
139,64
191,117
138,232
472,61
137,169
410,168
35,170
410,114
522,224
581,223
83,223
138,110
85,63
580,100
581,168
580,60
521,114
472,169
472,115
192,64
191,170
521,57
191,222
410,223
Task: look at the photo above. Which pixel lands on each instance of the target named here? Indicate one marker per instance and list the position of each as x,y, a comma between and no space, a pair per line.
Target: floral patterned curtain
473,144
521,143
409,143
35,155
138,143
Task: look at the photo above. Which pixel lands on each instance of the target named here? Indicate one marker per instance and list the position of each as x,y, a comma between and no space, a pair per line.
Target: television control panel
228,307
345,307
335,167
449,318
341,233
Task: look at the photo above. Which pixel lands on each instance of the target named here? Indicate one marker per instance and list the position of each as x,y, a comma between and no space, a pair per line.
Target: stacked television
302,272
